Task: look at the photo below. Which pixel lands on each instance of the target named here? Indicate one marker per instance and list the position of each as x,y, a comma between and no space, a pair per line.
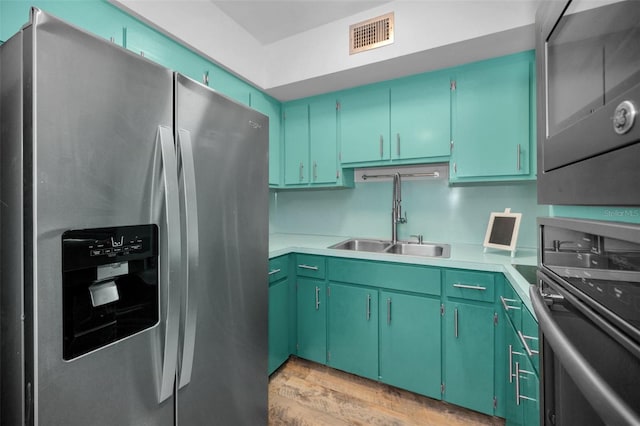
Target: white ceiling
270,21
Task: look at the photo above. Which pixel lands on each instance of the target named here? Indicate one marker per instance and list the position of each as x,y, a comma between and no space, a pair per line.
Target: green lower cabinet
278,324
353,329
469,356
312,320
410,345
529,391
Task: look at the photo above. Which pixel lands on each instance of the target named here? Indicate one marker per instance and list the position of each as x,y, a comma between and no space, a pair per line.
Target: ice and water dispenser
109,285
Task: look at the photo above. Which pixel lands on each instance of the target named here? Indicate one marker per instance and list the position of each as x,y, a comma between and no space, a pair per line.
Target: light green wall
442,213
614,214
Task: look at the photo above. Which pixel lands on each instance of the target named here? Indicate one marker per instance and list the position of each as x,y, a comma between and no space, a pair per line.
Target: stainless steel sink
356,244
402,248
429,250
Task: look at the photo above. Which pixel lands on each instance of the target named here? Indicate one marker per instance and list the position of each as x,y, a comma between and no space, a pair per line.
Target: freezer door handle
190,249
170,272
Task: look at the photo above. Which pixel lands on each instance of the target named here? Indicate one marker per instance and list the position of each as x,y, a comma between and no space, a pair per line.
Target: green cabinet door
529,394
421,117
512,354
312,320
296,144
271,108
469,351
364,125
410,345
278,324
492,130
323,140
353,329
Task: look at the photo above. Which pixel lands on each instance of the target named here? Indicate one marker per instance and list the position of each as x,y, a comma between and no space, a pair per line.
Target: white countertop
463,256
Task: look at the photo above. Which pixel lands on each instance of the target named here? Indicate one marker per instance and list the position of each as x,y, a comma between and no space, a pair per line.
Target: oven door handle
603,399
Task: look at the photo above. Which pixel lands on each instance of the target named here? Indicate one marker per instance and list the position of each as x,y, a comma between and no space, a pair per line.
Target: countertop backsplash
441,213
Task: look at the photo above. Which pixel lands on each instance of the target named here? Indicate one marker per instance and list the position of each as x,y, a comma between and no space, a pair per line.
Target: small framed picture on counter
502,231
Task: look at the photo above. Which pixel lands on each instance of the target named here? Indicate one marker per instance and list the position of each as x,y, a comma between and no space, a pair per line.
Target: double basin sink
401,247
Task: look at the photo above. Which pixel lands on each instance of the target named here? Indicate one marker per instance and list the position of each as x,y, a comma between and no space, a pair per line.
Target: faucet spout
396,207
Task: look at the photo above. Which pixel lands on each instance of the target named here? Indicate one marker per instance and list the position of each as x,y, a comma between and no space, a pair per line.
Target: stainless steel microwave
588,87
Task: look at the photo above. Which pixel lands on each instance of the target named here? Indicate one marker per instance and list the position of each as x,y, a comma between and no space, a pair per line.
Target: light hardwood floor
304,393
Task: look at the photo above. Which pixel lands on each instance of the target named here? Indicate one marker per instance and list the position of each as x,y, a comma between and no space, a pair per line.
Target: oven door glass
590,370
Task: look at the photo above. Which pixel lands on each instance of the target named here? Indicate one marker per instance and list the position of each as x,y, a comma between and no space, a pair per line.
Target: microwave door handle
166,189
190,244
604,400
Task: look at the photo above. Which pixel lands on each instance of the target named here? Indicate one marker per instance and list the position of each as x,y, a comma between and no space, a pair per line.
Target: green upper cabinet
493,120
353,329
323,144
271,108
364,124
410,346
311,144
421,117
296,143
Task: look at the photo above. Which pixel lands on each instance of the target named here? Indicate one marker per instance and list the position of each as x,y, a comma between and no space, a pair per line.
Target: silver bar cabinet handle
398,144
508,307
523,339
455,322
275,271
368,307
518,165
190,244
381,143
517,383
469,287
301,169
510,363
389,310
317,298
303,266
315,171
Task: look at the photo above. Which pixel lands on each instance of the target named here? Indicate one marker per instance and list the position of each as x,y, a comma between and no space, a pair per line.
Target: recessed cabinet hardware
469,287
275,271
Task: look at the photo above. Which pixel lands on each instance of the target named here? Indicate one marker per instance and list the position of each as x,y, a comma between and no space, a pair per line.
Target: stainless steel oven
588,88
587,302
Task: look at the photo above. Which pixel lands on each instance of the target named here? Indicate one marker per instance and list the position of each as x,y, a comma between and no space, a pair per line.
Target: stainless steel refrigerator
134,207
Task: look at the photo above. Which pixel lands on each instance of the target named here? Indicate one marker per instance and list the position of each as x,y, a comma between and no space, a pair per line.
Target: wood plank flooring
303,393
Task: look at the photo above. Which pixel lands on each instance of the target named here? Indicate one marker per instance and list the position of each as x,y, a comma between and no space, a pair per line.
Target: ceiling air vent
372,33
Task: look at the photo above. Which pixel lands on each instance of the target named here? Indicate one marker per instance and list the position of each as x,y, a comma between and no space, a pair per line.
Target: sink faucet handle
419,237
403,219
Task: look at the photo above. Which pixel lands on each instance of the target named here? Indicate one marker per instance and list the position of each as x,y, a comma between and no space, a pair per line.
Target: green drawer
470,285
278,268
308,265
394,276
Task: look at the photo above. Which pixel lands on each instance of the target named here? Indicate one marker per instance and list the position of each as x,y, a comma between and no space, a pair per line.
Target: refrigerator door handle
169,261
190,252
